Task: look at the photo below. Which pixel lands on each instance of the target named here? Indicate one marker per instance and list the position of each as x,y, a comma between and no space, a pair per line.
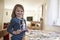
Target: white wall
31,8
28,4
35,14
7,15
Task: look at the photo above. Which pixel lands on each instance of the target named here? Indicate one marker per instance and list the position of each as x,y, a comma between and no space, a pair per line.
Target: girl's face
19,12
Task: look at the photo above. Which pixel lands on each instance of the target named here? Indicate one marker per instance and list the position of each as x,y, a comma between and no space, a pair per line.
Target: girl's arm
10,26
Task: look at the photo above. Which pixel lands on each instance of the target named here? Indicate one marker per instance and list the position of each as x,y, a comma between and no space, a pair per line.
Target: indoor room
42,19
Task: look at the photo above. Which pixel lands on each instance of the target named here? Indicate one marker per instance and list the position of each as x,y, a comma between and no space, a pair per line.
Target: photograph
29,19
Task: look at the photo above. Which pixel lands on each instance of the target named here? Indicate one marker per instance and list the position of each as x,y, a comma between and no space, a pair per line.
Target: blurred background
39,15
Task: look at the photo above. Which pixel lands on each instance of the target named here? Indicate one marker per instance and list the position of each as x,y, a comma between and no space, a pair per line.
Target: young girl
17,26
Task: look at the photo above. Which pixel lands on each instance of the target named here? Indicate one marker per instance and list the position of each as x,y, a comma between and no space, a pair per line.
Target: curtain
52,12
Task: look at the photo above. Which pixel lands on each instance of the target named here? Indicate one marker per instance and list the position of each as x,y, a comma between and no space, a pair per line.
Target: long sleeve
10,26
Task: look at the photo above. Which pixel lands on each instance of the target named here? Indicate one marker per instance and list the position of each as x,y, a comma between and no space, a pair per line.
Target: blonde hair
13,12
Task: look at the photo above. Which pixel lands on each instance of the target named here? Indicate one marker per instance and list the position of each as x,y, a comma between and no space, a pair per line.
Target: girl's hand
14,32
18,31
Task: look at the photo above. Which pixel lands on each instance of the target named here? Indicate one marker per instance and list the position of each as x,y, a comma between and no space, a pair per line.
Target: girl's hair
15,7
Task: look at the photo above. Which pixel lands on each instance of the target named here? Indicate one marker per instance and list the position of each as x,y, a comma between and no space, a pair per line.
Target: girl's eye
21,11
